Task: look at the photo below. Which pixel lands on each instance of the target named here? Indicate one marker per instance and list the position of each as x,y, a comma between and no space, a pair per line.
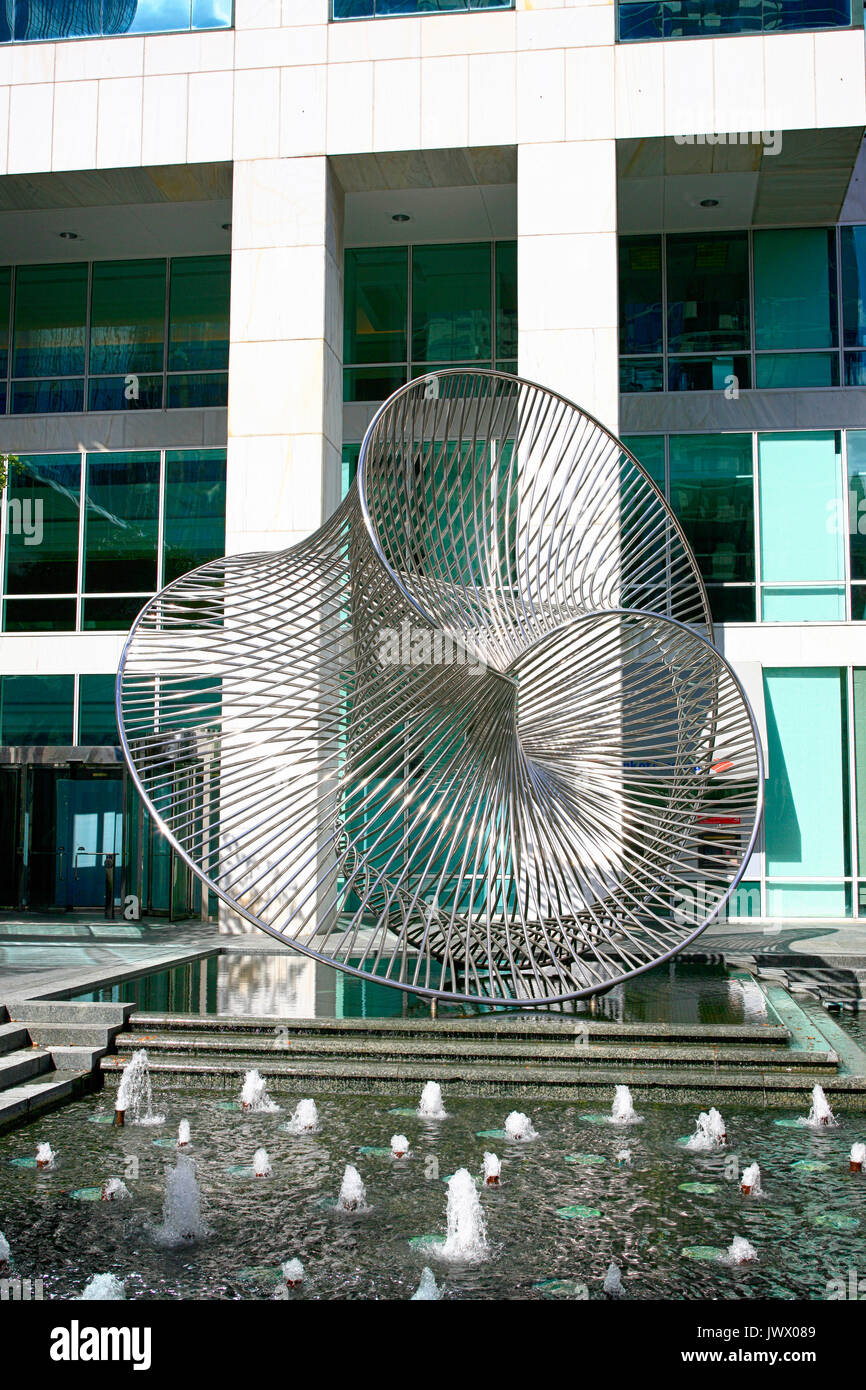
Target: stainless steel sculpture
470,738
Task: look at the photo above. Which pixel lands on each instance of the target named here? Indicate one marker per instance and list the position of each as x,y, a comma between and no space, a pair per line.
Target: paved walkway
800,941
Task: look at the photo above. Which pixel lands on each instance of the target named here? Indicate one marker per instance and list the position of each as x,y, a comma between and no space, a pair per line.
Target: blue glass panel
211,14
125,393
853,241
353,9
709,373
641,374
154,16
47,397
191,390
640,22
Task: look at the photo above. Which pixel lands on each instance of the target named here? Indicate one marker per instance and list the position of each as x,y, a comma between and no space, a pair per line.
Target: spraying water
104,1287
183,1134
293,1273
750,1183
622,1110
45,1156
254,1094
430,1106
114,1190
820,1116
261,1164
519,1126
857,1158
492,1170
623,1158
466,1234
709,1132
304,1118
399,1146
135,1094
5,1254
427,1290
741,1251
353,1194
613,1282
181,1211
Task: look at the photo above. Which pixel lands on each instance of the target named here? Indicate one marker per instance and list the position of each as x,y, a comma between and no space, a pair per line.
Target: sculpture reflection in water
471,738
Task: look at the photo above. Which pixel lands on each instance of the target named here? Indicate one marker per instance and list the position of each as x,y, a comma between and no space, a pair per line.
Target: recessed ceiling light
69,236
709,202
400,217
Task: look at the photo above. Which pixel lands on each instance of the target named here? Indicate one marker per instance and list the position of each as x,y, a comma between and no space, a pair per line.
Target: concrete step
253,1047
22,1065
13,1036
78,1058
53,1035
50,1011
20,1103
509,1028
681,1085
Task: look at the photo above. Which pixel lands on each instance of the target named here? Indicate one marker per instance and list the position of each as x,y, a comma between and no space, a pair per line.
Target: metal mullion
79,580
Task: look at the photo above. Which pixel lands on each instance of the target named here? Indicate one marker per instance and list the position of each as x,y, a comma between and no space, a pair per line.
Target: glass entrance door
89,820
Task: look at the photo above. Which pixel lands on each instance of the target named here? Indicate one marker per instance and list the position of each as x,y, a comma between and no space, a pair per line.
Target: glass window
376,294
131,392
853,243
805,826
127,316
42,513
451,309
712,496
795,288
775,371
121,523
708,292
39,615
198,333
649,450
195,509
187,390
50,316
351,453
371,383
800,604
36,710
709,374
5,292
641,374
857,504
640,294
97,723
801,506
506,299
859,680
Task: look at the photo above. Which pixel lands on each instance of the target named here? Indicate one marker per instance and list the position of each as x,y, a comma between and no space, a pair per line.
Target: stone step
19,1103
50,1011
12,1037
22,1065
691,1085
254,1047
53,1035
525,1029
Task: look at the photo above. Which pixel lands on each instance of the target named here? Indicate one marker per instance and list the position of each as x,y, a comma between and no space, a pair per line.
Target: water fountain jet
304,1118
613,1286
427,1290
293,1273
750,1183
45,1156
5,1255
261,1164
104,1288
741,1251
519,1127
820,1116
183,1135
466,1230
492,1170
430,1107
135,1093
353,1194
181,1212
399,1146
254,1094
709,1132
857,1158
622,1110
114,1190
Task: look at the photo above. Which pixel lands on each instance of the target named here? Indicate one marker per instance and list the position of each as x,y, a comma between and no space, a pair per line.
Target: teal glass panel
808,900
48,397
451,303
42,510
776,371
711,493
350,466
795,288
125,392
649,450
641,374
36,710
801,503
728,374
121,512
855,368
198,320
856,447
745,901
803,605
640,294
375,323
853,254
506,299
732,603
371,383
708,292
5,291
114,614
197,390
97,723
195,509
858,603
50,316
39,615
805,817
127,317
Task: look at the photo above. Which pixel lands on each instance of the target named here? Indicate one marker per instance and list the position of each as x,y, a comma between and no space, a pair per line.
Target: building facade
227,235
